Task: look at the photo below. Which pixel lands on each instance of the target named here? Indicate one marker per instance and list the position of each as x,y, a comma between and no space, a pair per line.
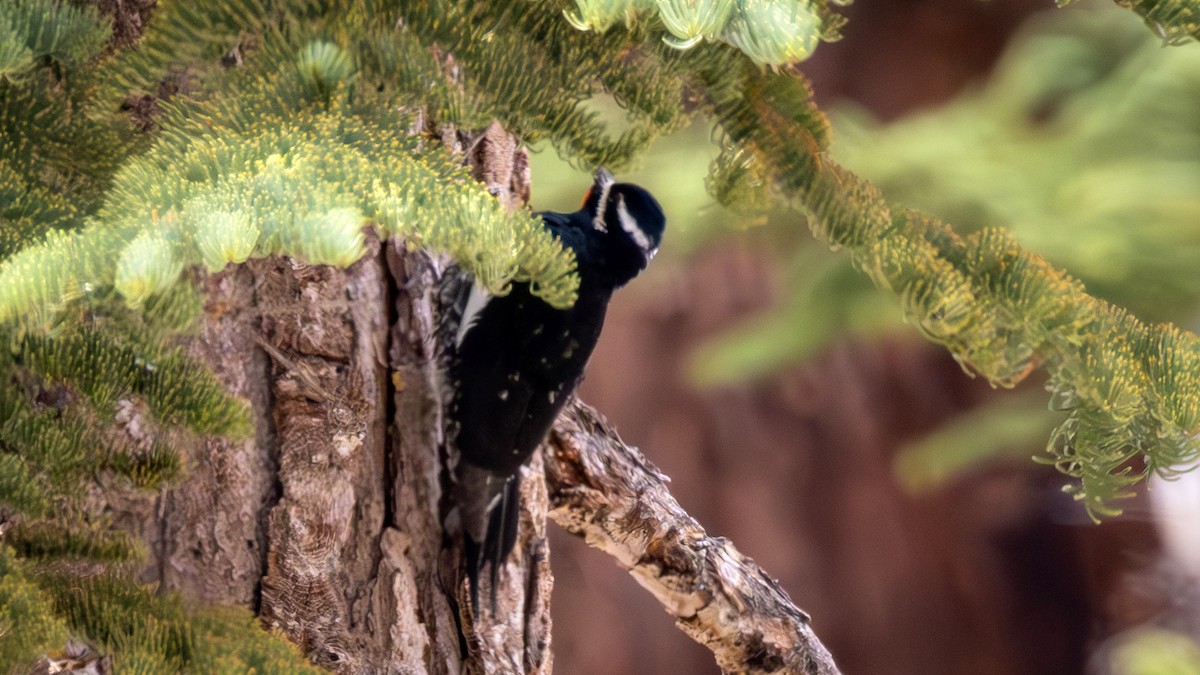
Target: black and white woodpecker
517,360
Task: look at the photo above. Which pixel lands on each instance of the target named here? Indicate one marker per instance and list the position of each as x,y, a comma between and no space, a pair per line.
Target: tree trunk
330,520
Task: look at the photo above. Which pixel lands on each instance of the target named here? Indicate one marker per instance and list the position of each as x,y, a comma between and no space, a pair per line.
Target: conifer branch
1131,390
32,31
1175,21
770,32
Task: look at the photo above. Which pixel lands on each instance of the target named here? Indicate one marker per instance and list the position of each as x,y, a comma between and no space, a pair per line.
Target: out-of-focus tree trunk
329,521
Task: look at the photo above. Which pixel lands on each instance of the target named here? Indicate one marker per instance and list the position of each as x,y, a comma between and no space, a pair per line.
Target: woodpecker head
630,219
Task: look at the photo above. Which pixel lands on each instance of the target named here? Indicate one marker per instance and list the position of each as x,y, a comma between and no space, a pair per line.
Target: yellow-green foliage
107,368
770,32
53,157
308,141
143,628
1055,149
144,631
296,162
1043,151
27,629
148,632
233,641
32,30
1153,651
1000,309
62,539
1175,21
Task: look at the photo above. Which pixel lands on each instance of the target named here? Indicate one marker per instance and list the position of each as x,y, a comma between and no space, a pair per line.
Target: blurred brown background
998,572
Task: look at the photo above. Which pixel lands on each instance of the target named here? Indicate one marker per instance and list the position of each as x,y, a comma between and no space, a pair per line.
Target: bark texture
609,494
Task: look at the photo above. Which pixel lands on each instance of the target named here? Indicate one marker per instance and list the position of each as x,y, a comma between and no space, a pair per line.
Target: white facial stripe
598,221
478,299
630,225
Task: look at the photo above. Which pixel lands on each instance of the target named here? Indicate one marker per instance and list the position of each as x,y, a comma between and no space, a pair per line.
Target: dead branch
608,493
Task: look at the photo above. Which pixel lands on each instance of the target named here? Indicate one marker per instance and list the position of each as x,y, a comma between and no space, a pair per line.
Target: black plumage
517,361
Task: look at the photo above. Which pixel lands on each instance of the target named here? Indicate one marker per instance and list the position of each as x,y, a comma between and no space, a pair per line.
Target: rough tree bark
609,494
329,521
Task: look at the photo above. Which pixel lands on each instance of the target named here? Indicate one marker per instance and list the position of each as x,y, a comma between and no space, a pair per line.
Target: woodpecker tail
490,506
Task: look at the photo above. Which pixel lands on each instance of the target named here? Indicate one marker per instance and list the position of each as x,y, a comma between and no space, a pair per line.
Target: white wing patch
630,225
478,299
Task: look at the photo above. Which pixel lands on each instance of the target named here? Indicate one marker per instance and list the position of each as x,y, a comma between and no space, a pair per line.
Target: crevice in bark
389,291
160,544
265,438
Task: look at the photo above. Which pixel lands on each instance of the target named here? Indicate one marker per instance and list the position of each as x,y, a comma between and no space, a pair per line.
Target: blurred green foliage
26,630
1154,651
1176,22
1006,429
1084,143
1056,148
771,32
826,300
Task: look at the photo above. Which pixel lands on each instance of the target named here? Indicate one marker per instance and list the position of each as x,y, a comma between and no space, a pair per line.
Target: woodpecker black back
517,361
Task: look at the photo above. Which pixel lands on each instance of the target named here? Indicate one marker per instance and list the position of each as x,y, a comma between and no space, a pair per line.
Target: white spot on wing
630,225
478,299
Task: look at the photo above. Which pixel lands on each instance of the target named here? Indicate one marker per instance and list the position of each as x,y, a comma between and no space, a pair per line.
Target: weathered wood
609,494
323,330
